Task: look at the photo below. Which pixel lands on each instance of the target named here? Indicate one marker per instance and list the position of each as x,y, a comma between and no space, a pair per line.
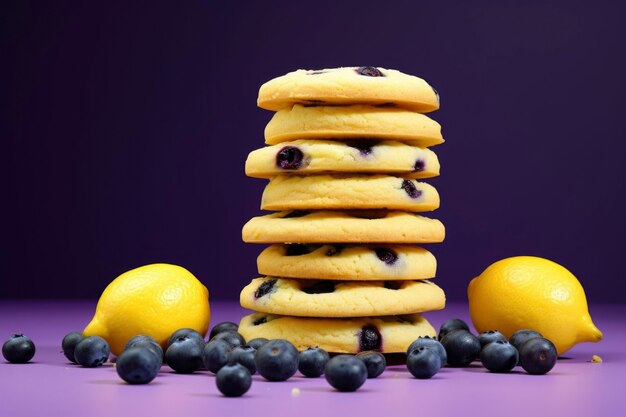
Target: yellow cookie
353,122
347,262
348,85
306,157
384,334
365,226
306,298
336,192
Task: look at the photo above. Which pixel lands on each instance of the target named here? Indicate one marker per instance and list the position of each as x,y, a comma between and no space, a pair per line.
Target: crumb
295,392
596,359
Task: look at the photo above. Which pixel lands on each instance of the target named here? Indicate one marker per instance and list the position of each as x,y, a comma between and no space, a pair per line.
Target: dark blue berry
410,189
419,165
520,337
91,352
364,146
215,355
490,336
224,326
370,339
538,356
145,341
257,342
184,355
18,349
297,249
369,72
231,337
423,362
319,287
69,344
345,373
461,346
289,157
431,344
138,365
450,325
311,362
374,362
386,255
499,356
189,333
277,360
265,288
233,380
243,355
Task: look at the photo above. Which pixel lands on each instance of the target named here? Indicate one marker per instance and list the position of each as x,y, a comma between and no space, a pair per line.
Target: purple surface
51,386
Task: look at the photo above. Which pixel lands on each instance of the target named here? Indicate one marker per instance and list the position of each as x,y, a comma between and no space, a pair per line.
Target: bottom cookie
384,334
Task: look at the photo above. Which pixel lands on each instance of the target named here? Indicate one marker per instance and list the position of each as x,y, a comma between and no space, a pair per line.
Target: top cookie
348,85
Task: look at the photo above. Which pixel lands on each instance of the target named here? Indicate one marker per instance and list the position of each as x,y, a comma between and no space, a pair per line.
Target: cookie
306,157
341,86
353,122
313,298
365,226
337,192
384,334
348,262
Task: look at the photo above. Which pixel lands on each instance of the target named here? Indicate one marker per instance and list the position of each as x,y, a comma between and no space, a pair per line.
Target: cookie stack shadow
347,147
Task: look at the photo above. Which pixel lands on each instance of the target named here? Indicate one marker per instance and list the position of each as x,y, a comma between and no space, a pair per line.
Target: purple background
125,129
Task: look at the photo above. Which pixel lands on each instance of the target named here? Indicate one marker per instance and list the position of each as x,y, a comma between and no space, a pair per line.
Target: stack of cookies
347,146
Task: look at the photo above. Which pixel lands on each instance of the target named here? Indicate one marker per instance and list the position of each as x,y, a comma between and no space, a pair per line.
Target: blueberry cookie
353,122
336,192
314,298
306,157
347,262
357,226
383,334
350,85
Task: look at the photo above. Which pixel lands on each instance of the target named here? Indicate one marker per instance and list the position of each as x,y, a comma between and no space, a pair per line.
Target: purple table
51,386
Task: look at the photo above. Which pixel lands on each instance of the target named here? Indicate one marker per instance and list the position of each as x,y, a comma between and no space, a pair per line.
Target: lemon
527,292
154,300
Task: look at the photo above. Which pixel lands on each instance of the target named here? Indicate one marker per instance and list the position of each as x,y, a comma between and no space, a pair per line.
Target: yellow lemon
154,300
526,292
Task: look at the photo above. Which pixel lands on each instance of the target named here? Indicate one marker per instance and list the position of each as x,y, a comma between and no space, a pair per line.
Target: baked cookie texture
358,226
304,157
307,298
353,122
341,86
336,192
347,262
391,334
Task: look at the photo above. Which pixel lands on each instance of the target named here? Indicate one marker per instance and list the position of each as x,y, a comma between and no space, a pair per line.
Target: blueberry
91,352
145,341
224,326
233,380
410,189
277,360
520,337
18,349
345,373
320,287
419,165
369,72
311,362
138,365
499,356
364,146
243,355
215,354
432,344
386,255
423,362
265,288
231,337
289,157
190,333
452,324
69,344
257,342
374,362
461,346
184,355
538,356
369,339
490,336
